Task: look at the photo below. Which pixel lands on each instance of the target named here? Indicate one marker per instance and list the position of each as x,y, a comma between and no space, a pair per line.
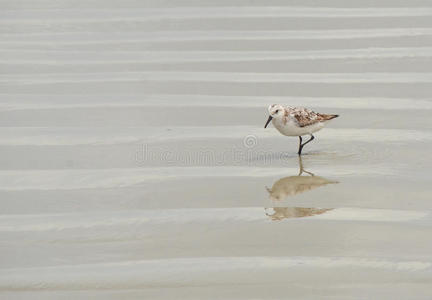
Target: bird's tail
329,117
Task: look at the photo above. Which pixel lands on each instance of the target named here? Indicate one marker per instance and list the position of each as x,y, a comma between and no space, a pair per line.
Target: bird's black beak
268,121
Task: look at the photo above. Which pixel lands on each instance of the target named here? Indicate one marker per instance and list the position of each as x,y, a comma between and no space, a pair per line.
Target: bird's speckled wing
305,117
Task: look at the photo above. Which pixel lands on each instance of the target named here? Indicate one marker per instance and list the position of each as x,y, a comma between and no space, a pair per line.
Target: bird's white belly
291,128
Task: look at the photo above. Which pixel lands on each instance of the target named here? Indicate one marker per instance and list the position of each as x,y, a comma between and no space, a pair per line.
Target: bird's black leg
300,146
309,140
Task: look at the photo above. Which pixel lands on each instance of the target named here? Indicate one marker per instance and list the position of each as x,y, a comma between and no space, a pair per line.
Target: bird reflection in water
293,185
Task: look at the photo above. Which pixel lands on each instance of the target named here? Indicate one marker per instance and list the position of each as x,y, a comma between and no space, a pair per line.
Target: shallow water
134,163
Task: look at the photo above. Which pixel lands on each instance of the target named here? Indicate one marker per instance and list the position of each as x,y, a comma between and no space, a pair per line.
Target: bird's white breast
291,128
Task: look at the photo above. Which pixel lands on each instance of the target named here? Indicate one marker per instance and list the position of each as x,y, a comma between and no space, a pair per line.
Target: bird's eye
277,110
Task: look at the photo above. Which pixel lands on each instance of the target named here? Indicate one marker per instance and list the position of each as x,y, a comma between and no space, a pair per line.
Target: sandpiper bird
297,121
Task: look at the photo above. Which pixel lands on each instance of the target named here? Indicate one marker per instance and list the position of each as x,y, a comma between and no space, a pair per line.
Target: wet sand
134,163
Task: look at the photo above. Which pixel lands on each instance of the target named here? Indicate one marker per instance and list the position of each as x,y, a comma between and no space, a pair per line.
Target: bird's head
276,111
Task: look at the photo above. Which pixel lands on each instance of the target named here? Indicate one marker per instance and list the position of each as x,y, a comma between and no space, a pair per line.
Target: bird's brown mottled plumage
306,117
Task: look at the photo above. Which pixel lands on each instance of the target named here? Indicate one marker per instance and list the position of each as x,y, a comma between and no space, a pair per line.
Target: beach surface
134,163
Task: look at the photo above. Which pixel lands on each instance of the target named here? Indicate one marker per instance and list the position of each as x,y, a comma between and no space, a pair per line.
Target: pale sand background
134,164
